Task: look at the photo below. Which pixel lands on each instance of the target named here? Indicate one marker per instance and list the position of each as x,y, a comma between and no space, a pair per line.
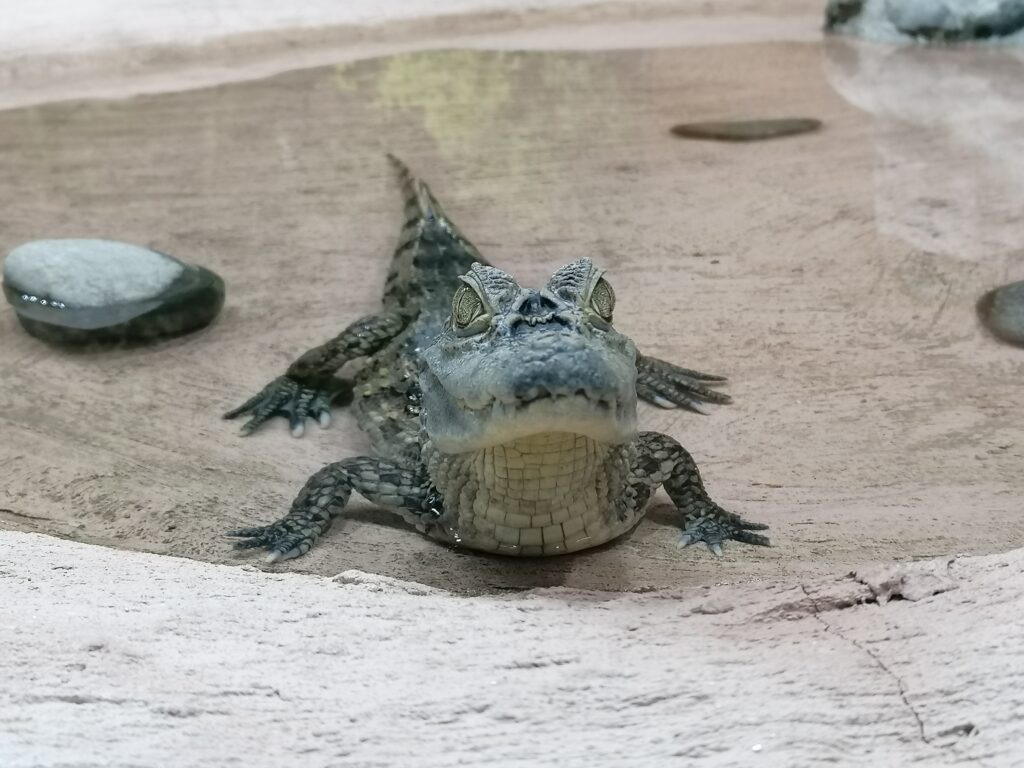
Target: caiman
501,418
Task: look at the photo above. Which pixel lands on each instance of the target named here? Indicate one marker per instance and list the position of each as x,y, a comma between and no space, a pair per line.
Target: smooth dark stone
931,21
186,303
941,25
747,130
1002,312
839,12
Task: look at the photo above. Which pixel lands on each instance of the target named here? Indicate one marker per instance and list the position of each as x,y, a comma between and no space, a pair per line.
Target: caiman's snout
515,362
562,365
534,381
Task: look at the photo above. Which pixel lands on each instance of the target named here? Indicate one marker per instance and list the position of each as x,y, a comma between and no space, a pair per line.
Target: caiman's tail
429,239
420,202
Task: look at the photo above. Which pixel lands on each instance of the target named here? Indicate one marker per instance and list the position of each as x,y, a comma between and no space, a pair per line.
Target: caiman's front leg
663,461
668,385
309,385
325,495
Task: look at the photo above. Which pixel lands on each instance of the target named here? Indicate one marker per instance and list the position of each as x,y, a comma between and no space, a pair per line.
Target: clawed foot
669,386
283,540
715,528
285,396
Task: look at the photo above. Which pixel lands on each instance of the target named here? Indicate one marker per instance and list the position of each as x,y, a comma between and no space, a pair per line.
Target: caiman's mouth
490,421
537,395
561,382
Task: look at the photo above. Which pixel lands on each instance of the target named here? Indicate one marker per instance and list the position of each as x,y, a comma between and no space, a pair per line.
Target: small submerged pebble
1002,312
747,130
76,291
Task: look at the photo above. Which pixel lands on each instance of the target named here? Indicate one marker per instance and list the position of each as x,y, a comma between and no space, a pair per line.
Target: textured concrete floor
119,659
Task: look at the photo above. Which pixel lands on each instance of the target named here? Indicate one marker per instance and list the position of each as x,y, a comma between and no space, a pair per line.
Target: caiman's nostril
536,305
536,309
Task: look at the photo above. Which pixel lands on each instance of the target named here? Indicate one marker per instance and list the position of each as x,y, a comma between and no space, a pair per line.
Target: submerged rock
747,130
927,20
1002,312
75,291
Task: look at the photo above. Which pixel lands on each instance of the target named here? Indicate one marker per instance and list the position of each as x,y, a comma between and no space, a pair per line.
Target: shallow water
831,275
949,142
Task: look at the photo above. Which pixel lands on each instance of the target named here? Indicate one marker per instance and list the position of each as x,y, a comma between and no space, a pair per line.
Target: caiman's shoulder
431,255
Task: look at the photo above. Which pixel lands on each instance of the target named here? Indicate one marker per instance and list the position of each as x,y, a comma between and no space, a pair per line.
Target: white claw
273,557
325,419
685,540
299,430
700,408
661,402
716,549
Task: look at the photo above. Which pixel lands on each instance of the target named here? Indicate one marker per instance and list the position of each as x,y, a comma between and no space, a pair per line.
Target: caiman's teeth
474,405
499,409
509,405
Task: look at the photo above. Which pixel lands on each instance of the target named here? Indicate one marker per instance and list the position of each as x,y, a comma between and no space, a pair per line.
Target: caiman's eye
602,299
466,307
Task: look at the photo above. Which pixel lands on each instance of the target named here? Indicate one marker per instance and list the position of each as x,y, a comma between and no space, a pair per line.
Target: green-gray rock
1002,312
747,130
932,21
78,291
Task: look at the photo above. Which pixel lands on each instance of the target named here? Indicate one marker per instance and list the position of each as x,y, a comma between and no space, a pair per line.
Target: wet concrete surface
873,418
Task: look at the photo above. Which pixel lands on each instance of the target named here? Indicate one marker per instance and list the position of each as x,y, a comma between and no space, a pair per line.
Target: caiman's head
512,362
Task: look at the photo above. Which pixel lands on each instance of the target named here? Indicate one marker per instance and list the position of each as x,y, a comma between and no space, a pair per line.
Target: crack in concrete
26,515
900,685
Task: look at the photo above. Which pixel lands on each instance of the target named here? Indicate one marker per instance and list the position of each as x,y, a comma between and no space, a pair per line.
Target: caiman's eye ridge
602,300
466,307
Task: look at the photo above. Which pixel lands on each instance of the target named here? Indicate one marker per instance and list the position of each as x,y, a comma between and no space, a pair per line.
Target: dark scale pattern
661,460
288,397
495,283
432,252
309,385
571,280
325,495
382,400
361,339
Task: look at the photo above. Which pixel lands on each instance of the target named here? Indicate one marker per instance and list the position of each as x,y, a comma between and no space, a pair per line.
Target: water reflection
466,99
949,141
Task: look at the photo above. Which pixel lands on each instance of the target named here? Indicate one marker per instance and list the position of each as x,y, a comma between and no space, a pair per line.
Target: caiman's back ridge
501,418
431,252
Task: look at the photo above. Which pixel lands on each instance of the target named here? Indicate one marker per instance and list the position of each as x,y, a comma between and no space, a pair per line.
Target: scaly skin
503,419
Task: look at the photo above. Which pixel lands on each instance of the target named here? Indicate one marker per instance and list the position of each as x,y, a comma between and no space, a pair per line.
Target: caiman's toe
283,540
669,386
714,530
295,401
